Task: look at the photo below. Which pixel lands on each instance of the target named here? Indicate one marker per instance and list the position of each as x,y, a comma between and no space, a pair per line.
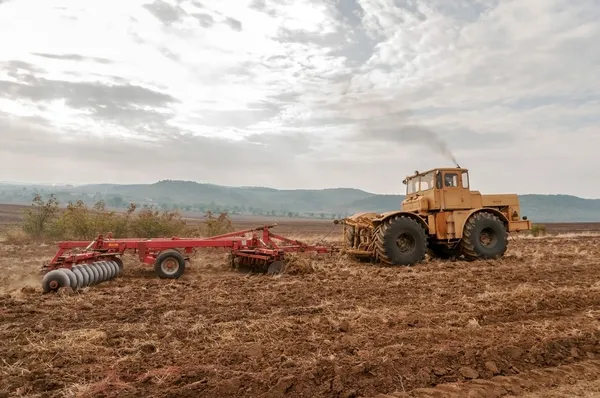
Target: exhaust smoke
423,135
379,118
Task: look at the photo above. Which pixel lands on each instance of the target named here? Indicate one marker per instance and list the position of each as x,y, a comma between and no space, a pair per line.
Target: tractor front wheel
484,237
400,240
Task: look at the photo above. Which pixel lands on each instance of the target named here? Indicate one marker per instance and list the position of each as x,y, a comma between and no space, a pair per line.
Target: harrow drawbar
80,264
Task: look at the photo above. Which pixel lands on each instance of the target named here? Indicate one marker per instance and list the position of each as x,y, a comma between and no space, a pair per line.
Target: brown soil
526,325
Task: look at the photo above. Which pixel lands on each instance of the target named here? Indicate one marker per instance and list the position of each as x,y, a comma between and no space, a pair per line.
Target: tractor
440,216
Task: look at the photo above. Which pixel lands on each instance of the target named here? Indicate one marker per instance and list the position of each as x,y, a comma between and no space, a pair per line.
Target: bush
216,225
46,220
80,222
152,224
538,230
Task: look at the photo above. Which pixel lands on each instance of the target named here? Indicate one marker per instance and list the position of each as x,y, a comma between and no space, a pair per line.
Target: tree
39,217
116,201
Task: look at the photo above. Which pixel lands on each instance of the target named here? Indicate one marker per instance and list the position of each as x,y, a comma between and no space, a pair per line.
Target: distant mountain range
326,203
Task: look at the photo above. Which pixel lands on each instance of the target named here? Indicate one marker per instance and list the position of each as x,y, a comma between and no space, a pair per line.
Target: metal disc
276,267
72,278
79,275
92,273
54,280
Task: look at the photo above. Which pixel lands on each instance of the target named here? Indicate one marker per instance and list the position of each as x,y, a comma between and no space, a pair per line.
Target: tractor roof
417,173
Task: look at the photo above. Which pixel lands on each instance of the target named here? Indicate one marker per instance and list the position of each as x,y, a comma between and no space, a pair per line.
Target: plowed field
527,325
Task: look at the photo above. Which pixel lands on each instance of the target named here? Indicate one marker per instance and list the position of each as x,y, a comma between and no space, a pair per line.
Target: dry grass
15,235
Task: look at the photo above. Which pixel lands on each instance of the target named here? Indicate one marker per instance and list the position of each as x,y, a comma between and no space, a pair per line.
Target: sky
302,93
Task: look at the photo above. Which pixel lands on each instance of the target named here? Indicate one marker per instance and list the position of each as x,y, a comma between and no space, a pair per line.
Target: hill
330,203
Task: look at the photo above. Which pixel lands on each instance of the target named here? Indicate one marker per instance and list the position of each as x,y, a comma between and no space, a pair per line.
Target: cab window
451,180
465,179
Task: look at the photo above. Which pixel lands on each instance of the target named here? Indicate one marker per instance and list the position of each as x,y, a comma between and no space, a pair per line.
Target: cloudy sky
302,93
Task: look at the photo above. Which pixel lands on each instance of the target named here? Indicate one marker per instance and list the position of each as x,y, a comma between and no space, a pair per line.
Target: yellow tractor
439,215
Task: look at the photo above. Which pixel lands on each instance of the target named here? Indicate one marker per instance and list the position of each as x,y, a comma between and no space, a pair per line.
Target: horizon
58,184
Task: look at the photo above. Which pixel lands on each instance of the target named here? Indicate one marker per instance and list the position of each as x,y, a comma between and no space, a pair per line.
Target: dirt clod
469,373
440,371
28,290
284,384
65,291
491,366
344,326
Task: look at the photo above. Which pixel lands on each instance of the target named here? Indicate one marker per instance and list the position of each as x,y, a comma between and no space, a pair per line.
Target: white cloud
509,85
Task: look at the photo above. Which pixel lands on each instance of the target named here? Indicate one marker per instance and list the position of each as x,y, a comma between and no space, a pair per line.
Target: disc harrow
79,264
81,275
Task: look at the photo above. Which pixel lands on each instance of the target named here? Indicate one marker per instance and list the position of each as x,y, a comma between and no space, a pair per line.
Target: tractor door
454,189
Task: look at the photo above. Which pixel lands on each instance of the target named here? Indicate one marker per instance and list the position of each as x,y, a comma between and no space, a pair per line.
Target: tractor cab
437,189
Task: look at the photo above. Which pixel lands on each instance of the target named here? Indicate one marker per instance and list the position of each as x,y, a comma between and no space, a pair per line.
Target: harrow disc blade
119,263
101,272
84,273
276,267
54,280
72,278
109,270
95,274
115,268
79,275
107,273
118,269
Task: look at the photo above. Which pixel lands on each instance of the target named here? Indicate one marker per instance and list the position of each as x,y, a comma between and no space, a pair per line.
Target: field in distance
527,325
12,214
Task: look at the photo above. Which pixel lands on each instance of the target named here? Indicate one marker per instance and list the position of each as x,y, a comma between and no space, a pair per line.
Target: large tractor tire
484,237
400,240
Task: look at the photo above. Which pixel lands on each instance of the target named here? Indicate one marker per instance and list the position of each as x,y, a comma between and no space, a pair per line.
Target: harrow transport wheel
484,237
169,264
54,280
276,267
400,240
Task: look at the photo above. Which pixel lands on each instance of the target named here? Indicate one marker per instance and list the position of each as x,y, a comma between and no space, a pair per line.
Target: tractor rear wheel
400,240
484,237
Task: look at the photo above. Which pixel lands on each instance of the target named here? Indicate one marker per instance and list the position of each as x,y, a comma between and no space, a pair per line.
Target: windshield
420,183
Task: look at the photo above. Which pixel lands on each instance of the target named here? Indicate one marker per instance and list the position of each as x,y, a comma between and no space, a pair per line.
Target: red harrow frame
100,259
